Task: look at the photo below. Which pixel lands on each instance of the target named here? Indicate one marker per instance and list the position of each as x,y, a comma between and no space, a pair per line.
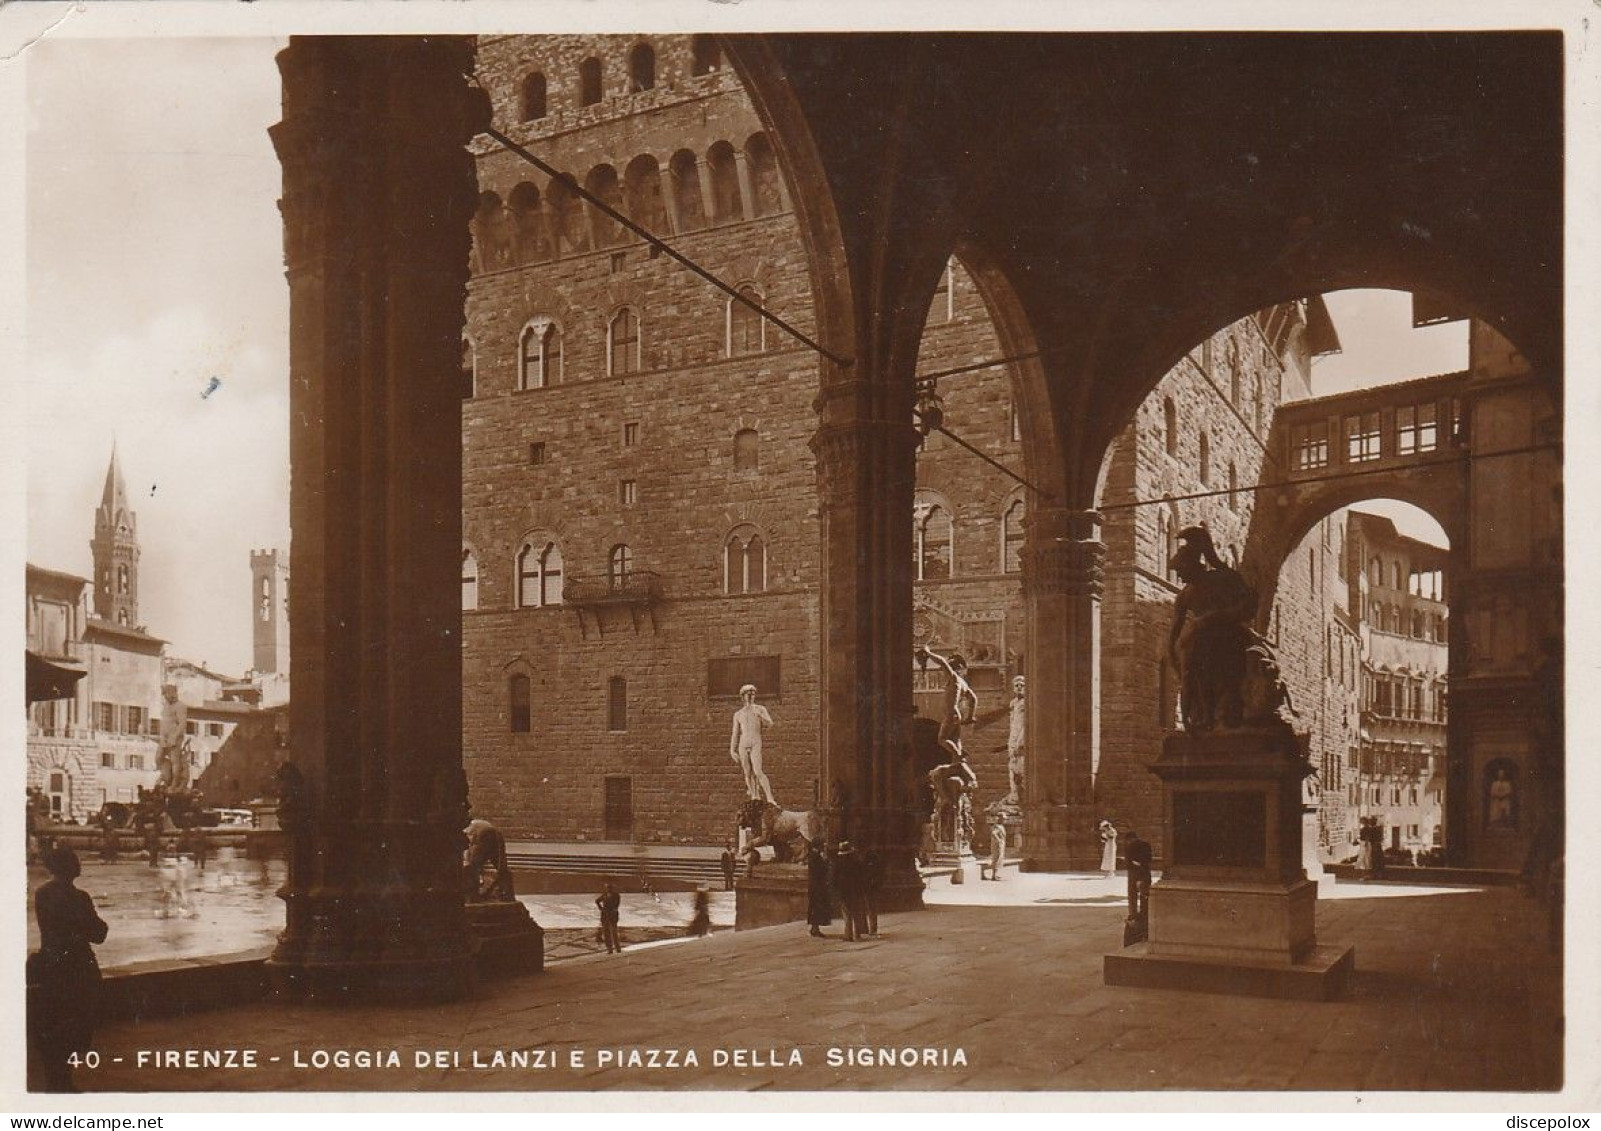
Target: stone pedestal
773,894
509,941
1234,911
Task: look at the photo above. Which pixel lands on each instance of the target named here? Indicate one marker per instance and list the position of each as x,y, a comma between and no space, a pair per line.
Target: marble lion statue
787,832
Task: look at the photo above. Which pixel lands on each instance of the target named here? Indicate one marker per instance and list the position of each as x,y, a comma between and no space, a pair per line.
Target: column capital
1063,553
845,453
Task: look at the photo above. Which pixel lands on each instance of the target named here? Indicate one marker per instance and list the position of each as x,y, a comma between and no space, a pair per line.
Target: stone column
378,194
675,220
747,189
708,194
865,447
1063,577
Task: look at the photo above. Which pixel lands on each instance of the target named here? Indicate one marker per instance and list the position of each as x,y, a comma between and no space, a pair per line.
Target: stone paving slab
1454,990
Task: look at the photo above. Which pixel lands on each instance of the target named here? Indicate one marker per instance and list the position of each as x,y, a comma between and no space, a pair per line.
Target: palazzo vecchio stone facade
640,501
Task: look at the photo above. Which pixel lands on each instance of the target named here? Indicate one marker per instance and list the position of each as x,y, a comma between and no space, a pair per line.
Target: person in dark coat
873,874
63,975
1137,851
819,898
728,866
850,881
700,924
610,904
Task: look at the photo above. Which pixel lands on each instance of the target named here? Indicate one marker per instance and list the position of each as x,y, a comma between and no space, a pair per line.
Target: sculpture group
1228,676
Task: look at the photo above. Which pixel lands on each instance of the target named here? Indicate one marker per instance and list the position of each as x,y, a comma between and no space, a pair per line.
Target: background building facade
640,506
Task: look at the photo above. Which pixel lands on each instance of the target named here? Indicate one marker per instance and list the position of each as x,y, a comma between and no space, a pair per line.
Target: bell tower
115,547
269,612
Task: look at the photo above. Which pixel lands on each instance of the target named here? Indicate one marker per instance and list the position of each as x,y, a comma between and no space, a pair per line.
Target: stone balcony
637,591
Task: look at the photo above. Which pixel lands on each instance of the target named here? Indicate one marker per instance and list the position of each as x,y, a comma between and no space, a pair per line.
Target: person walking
819,900
63,975
997,853
701,924
1108,849
728,865
610,904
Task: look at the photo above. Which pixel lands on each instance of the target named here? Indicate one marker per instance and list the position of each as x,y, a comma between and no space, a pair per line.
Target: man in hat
745,744
849,884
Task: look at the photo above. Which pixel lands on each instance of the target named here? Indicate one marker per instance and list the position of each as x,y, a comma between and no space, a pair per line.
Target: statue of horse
787,832
486,874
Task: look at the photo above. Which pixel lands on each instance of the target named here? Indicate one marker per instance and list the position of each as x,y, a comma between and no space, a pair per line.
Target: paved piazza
1455,990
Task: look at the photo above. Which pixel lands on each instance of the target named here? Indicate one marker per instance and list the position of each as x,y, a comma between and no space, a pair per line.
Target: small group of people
1370,850
845,879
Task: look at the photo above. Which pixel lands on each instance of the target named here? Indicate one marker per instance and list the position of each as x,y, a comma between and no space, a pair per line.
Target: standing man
728,865
997,852
610,904
745,744
1137,852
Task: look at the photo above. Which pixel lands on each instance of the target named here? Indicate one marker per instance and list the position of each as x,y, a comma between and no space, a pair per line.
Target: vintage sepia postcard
972,552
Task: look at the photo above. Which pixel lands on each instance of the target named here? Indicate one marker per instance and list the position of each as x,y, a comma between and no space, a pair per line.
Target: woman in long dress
63,976
1108,849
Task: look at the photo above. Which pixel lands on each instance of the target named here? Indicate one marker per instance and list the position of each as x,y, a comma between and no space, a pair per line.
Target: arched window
266,600
538,575
708,57
541,358
1012,538
1234,486
469,580
642,189
519,704
622,343
727,204
602,183
1206,460
122,579
122,617
744,561
619,565
1375,571
764,177
617,703
589,88
641,68
686,190
1170,541
931,539
1170,427
747,330
469,370
1395,575
534,97
528,224
747,450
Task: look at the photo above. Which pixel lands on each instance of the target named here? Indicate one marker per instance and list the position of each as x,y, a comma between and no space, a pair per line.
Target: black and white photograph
933,559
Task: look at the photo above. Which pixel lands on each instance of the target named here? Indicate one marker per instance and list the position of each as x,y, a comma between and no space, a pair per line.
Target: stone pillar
1063,577
865,447
378,193
675,220
747,188
708,194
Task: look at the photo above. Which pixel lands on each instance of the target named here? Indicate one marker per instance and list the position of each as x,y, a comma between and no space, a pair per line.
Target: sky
154,264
